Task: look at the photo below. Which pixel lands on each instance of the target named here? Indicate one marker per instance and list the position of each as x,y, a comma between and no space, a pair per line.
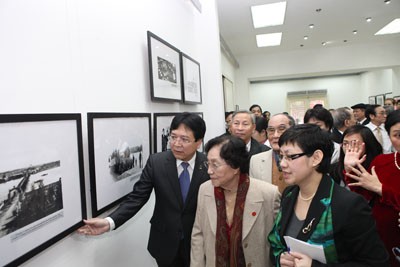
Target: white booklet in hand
316,252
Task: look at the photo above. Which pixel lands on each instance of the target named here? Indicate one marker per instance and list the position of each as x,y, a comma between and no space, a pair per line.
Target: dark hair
261,124
370,110
321,114
233,151
255,106
372,147
392,119
191,120
227,113
309,137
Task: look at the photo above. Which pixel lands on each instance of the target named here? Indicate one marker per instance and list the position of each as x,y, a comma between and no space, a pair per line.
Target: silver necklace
395,160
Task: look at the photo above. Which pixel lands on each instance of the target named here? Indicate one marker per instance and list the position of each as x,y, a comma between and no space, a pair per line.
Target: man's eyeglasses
212,165
289,158
183,139
280,129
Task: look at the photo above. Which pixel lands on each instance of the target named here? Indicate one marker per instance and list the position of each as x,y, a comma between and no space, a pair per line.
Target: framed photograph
162,122
388,95
42,194
191,80
119,146
380,100
371,100
165,70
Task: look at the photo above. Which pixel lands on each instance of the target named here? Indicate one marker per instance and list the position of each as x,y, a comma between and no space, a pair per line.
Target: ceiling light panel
392,27
269,39
268,15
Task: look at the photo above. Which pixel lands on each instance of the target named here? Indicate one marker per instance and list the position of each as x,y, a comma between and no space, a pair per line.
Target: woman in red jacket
381,186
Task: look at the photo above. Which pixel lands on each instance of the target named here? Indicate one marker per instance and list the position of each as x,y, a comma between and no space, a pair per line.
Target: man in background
265,166
359,113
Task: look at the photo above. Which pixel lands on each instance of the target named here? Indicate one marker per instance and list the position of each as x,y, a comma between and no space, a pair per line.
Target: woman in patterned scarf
234,212
316,210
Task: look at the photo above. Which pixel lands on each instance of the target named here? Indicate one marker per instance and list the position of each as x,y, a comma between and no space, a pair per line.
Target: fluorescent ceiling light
269,39
268,15
392,27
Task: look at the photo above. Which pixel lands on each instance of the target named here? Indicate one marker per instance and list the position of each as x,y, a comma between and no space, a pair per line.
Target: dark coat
172,219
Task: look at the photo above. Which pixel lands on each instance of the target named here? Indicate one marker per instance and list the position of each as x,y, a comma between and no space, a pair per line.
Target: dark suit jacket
256,147
172,219
356,239
336,136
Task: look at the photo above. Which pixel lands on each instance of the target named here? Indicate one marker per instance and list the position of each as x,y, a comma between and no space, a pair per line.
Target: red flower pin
254,213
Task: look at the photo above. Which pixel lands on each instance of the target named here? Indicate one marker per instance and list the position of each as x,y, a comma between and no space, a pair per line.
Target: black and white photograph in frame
164,69
191,80
372,100
42,194
119,146
380,100
162,123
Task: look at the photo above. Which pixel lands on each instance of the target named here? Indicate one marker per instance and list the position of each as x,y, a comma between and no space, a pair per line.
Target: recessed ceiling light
318,10
268,14
311,26
305,37
323,43
301,45
269,39
345,41
369,19
387,2
392,27
355,32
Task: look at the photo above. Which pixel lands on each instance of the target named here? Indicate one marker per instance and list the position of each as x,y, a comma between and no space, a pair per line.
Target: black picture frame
165,70
191,80
162,122
119,146
372,100
42,182
380,99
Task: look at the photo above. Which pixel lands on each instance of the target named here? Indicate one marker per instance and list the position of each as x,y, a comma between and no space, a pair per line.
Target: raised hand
364,179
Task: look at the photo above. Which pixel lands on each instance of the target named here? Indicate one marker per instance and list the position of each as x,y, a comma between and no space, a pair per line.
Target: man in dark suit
174,210
243,126
359,113
343,118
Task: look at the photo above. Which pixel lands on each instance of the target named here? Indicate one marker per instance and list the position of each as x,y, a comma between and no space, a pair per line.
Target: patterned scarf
322,235
229,251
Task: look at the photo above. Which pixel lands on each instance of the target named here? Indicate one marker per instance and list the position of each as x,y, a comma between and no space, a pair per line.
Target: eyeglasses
280,129
289,158
212,165
183,139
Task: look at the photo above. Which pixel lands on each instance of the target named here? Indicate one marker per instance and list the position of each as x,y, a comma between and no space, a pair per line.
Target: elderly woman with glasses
234,212
316,210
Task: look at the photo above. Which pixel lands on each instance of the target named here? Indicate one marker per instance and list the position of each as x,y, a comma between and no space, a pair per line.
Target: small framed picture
42,194
191,80
372,100
165,70
380,100
119,145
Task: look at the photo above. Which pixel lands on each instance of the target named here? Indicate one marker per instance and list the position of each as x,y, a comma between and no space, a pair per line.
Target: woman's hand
286,260
94,226
301,260
353,154
364,179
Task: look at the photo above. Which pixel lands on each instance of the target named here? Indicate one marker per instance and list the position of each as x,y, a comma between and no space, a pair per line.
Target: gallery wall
80,56
317,62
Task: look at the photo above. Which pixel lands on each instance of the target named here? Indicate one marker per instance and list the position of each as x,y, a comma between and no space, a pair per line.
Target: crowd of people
331,182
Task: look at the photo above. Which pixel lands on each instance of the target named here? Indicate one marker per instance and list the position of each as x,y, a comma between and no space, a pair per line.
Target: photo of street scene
126,161
28,194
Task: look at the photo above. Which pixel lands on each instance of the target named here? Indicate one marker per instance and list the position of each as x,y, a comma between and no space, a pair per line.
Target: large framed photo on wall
162,131
42,194
165,70
191,80
119,145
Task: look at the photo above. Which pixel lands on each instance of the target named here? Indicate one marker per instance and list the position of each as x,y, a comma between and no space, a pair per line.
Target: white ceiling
334,24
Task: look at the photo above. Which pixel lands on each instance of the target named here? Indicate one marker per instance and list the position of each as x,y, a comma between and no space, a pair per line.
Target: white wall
313,62
79,56
272,96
